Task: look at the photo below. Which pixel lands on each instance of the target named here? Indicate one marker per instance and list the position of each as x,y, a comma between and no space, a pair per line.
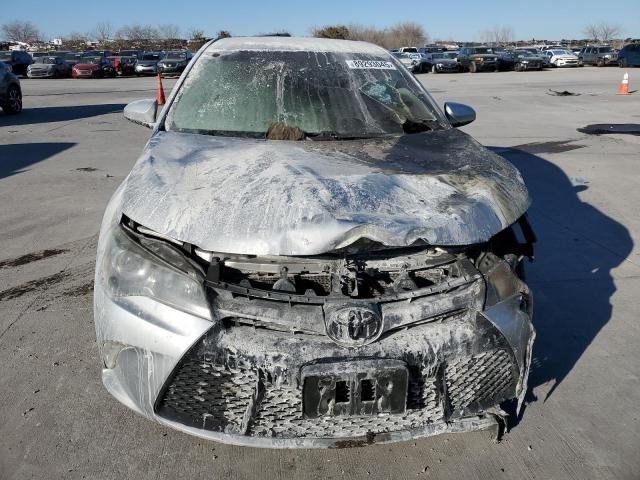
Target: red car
123,65
93,67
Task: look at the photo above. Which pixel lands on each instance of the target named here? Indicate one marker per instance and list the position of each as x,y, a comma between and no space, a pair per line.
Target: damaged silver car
308,253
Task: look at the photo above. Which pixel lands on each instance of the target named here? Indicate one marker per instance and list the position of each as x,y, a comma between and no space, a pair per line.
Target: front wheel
473,68
600,63
518,67
434,69
14,101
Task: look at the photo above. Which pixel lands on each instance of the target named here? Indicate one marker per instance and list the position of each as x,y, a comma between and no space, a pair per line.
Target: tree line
166,35
169,35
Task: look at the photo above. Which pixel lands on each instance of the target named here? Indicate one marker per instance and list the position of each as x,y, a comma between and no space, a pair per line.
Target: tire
14,101
473,68
517,67
434,69
600,63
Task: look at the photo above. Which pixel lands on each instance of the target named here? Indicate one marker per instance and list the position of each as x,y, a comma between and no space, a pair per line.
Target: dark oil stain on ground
79,291
87,169
31,257
32,286
548,147
607,128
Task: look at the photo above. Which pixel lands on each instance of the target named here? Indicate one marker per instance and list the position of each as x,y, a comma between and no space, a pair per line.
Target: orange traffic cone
160,97
623,89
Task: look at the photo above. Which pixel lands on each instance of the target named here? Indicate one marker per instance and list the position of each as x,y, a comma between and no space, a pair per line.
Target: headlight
524,61
130,270
477,59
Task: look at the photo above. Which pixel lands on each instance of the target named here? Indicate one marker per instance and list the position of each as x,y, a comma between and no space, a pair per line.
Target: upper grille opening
357,278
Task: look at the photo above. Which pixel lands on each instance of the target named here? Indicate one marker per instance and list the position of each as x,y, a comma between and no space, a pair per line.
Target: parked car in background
148,64
18,60
478,59
98,53
93,67
599,56
310,254
430,49
562,58
518,60
10,91
174,62
405,50
72,58
48,67
408,61
131,53
535,52
124,66
444,62
629,55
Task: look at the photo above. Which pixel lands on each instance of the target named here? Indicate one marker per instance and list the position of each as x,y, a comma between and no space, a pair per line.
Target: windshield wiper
331,135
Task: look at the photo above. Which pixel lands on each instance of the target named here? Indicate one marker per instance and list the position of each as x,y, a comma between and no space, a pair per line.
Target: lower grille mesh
245,400
478,378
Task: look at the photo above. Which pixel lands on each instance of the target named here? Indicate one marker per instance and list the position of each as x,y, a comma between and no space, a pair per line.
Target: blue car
629,56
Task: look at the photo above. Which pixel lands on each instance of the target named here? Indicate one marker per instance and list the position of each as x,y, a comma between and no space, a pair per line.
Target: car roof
296,44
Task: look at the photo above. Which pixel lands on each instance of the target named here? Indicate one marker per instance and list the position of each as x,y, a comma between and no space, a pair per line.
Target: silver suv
600,56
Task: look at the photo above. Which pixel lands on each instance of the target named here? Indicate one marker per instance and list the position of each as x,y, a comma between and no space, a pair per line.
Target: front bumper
85,74
566,63
243,385
146,70
447,68
40,74
176,70
487,65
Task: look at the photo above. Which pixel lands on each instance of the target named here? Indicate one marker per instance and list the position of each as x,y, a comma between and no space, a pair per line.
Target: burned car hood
269,197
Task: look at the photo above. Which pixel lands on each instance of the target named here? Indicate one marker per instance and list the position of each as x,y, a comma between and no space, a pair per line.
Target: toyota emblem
353,325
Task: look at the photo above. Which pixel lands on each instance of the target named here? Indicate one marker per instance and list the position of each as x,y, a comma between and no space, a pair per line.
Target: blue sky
461,20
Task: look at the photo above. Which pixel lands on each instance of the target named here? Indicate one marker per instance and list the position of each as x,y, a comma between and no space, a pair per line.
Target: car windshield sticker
370,64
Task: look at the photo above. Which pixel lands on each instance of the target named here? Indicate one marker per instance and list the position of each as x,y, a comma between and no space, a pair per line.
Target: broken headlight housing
152,268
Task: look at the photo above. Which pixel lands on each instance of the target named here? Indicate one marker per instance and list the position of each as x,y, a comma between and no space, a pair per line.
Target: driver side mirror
458,114
142,112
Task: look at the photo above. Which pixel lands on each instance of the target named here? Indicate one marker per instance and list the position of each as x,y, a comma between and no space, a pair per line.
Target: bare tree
486,37
407,34
137,32
497,36
168,31
195,34
20,31
75,40
592,31
503,35
608,31
102,32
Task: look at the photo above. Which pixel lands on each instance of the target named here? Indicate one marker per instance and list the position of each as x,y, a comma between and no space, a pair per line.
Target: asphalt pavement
63,157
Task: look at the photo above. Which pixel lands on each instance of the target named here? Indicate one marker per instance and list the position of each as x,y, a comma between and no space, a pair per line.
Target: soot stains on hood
262,197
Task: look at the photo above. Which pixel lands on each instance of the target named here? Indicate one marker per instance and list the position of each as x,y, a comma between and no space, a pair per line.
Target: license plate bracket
358,387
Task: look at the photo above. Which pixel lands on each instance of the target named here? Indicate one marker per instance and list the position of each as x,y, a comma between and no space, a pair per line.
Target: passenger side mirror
142,112
458,114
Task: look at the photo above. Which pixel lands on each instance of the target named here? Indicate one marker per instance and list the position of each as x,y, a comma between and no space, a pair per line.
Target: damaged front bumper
262,372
